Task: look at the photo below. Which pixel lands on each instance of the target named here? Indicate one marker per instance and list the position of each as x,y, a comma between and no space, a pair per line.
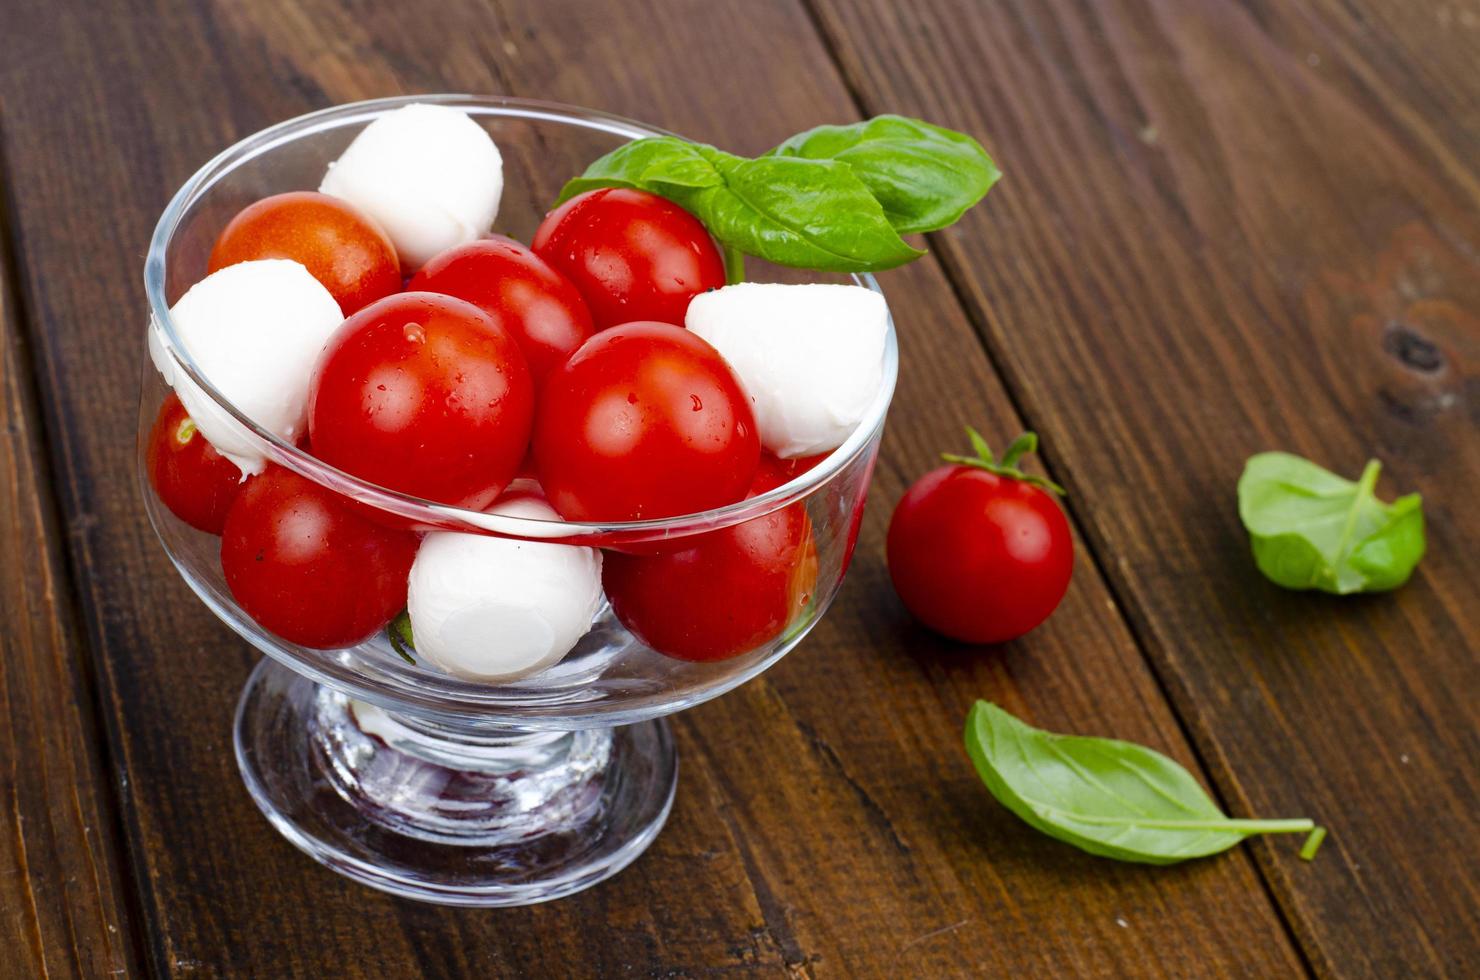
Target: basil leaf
812,214
1311,529
659,164
1110,798
924,176
398,632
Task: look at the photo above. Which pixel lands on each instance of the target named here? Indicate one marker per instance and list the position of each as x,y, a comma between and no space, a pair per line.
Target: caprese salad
604,372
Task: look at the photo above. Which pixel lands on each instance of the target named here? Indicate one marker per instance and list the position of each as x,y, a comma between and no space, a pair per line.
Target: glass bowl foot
445,812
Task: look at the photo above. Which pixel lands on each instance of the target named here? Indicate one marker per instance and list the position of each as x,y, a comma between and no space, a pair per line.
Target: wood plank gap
1127,606
99,734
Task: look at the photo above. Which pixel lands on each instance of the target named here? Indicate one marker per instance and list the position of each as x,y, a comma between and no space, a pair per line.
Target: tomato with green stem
194,481
979,550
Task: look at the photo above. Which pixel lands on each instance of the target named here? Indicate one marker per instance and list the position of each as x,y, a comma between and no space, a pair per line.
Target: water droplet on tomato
698,405
415,333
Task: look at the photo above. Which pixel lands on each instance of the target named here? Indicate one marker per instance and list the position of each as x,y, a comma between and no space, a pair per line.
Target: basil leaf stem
1312,844
734,265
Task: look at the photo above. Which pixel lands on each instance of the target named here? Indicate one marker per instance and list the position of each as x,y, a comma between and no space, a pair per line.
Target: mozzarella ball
811,357
255,330
428,174
496,609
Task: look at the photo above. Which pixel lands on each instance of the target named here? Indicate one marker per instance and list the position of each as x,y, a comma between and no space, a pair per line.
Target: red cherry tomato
786,470
537,305
340,245
194,481
646,420
979,556
424,394
776,472
633,255
720,594
310,568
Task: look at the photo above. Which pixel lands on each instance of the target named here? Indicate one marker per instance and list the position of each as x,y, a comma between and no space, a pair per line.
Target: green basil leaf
812,214
924,176
1311,529
398,632
1110,798
657,164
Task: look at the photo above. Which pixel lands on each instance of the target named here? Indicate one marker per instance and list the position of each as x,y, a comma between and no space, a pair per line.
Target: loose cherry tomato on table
310,568
646,420
538,306
633,255
194,481
424,394
722,593
979,550
340,245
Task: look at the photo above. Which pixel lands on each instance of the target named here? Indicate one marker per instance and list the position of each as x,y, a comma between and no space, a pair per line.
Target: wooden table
1225,227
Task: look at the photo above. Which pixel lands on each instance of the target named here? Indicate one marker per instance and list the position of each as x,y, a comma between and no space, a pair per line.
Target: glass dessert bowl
397,774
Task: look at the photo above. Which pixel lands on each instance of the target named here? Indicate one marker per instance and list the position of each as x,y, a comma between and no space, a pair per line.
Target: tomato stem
986,460
185,431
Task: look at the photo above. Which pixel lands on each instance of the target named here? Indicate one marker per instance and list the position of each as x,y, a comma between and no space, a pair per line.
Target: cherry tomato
340,245
194,481
310,568
537,305
786,470
720,594
633,255
424,394
646,420
980,556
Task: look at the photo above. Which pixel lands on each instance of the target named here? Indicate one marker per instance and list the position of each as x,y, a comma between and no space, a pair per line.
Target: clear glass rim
428,512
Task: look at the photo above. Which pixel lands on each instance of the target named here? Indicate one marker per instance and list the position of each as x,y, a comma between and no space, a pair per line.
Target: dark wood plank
828,821
1228,228
63,910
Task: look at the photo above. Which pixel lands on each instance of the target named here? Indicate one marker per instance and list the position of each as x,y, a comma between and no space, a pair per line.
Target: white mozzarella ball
428,174
255,330
496,609
811,357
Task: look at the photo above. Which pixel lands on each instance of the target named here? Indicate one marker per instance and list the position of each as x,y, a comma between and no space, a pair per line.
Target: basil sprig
1115,799
835,198
1311,529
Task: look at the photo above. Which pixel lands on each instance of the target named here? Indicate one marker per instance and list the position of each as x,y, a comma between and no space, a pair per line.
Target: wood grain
828,822
1229,228
63,910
